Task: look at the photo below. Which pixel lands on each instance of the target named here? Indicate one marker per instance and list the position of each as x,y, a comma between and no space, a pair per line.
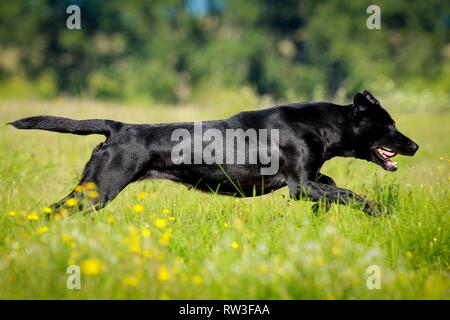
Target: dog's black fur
310,134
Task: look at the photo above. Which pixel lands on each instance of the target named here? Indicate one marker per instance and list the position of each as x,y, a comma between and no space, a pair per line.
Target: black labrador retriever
303,137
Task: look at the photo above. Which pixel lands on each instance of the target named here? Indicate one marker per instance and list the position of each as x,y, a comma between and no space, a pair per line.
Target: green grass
284,250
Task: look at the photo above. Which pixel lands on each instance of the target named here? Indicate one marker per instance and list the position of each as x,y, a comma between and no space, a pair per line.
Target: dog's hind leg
108,172
325,205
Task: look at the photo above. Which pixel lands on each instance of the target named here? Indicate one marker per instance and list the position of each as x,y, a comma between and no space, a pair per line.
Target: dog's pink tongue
389,153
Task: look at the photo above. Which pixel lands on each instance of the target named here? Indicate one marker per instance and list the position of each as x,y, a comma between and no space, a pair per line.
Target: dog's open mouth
386,154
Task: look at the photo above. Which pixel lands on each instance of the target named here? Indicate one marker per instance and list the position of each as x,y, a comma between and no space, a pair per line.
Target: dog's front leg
317,191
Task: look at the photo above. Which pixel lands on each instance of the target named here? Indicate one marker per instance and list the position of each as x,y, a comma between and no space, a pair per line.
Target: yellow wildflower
163,274
160,256
132,229
160,223
146,252
165,238
225,225
172,218
91,267
263,268
66,237
166,211
235,245
145,232
336,250
238,224
47,210
164,296
143,195
110,219
93,194
41,230
12,213
130,281
197,280
71,202
32,216
79,189
135,248
63,212
90,185
319,261
409,254
138,208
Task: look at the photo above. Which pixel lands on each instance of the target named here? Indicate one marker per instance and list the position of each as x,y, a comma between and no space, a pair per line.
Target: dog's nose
414,147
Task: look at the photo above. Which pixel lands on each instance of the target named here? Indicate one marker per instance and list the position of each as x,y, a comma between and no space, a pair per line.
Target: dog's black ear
361,102
370,97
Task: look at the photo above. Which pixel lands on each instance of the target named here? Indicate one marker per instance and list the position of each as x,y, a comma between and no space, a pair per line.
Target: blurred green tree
166,50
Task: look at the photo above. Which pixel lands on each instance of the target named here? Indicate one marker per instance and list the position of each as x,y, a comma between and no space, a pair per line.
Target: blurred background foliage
175,51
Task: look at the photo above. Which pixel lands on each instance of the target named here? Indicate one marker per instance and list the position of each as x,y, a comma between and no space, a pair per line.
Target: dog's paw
321,207
375,209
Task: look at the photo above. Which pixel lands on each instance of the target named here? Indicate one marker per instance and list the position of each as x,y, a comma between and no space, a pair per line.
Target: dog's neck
338,136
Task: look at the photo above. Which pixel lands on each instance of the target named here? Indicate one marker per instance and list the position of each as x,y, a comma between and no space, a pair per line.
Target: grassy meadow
159,240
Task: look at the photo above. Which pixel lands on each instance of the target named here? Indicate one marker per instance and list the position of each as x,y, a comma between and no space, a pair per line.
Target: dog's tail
64,125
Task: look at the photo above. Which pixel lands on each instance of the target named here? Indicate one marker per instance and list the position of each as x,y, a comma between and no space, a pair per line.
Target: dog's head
375,135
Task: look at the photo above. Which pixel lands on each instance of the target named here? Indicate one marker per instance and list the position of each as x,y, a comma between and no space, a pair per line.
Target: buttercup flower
32,216
138,208
90,186
110,219
91,267
79,189
41,230
163,274
71,202
165,238
263,268
93,194
12,213
145,232
130,281
160,223
197,280
143,195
